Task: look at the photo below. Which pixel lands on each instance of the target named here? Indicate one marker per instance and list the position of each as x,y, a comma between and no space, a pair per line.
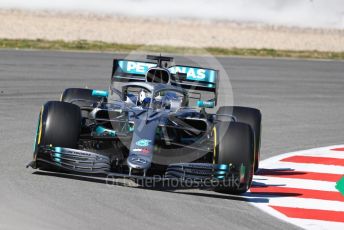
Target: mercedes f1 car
149,126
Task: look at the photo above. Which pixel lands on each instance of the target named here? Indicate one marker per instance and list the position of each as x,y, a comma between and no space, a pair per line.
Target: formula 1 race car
149,127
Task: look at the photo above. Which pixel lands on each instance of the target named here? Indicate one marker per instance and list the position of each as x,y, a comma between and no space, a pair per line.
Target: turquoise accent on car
220,177
101,131
206,104
212,77
57,154
192,73
57,160
195,74
100,93
120,63
221,171
143,142
135,67
223,167
58,149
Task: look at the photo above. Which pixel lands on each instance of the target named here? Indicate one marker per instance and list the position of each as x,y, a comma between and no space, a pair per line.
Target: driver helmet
142,96
144,99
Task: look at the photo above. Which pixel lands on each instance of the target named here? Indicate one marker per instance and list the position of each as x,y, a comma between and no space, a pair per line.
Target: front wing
84,162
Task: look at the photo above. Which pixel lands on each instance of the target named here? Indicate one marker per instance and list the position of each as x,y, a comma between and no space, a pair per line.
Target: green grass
114,47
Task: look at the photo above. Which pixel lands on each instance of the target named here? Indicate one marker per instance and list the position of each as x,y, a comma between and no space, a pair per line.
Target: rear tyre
234,144
59,125
248,116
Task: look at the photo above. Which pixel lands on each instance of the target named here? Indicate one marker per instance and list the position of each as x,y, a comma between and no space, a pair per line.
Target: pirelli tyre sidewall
59,125
250,116
234,144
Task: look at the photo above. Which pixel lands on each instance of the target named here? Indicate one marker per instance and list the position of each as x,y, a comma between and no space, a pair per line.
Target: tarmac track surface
302,106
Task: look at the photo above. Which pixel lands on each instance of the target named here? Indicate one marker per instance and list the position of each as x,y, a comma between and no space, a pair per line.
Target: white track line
308,203
296,183
328,153
320,168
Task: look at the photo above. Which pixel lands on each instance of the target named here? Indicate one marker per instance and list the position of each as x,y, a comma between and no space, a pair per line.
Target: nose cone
139,162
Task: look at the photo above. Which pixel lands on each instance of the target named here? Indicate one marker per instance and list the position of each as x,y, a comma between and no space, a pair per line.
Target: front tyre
59,125
234,145
250,116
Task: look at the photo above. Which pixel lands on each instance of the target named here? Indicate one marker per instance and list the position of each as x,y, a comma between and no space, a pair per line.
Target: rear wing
187,77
